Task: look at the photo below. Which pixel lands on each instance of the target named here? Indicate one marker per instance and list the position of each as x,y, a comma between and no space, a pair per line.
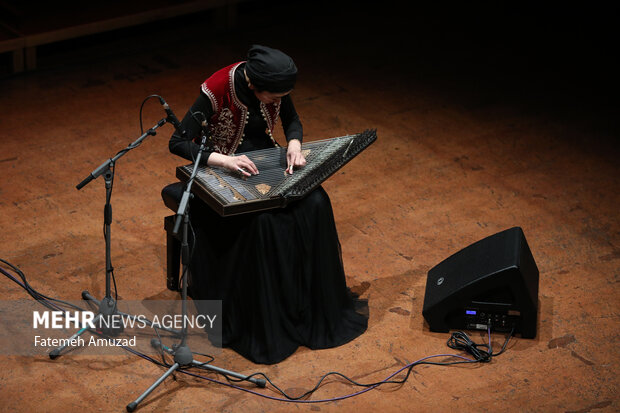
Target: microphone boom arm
104,166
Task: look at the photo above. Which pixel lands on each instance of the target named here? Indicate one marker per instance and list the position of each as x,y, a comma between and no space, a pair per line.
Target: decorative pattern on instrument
220,185
262,188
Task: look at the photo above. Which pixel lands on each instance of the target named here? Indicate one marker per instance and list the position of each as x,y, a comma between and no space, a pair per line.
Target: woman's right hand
240,164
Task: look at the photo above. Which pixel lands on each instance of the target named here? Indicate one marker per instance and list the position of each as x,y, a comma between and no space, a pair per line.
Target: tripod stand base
86,296
183,357
134,404
54,353
106,309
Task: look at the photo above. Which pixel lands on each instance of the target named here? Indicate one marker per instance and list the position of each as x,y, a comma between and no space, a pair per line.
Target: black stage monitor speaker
491,282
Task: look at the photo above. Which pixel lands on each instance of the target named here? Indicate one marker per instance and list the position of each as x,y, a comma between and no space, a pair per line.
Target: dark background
494,51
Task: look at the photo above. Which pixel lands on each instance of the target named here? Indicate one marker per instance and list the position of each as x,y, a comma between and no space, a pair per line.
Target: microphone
171,118
204,126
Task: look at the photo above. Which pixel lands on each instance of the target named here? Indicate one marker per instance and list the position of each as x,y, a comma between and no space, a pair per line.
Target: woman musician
279,272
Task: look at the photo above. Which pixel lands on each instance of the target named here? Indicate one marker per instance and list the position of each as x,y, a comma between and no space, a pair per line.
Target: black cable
42,298
459,340
161,349
351,381
142,106
199,122
505,343
211,358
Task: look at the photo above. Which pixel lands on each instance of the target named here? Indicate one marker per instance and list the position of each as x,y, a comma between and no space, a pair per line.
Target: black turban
270,70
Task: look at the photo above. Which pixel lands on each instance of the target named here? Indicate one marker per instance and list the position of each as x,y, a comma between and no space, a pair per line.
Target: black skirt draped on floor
279,275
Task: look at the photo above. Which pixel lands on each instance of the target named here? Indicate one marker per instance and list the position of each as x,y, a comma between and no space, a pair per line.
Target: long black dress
278,273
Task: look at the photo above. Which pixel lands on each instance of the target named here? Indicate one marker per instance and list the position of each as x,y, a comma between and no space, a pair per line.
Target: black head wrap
270,70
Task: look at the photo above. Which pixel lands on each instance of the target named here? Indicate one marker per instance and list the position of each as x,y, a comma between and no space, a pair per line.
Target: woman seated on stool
279,272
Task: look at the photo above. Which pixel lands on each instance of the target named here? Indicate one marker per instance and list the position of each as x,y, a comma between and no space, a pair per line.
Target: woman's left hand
294,157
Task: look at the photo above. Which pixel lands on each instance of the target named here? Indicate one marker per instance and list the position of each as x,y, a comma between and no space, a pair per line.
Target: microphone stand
183,356
107,308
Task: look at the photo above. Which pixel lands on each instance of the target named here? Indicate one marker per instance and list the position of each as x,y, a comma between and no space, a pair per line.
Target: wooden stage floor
477,134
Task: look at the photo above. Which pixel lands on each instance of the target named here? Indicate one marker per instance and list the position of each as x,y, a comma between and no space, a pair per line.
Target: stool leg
173,249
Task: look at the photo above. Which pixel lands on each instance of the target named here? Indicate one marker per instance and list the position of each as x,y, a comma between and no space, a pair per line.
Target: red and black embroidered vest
230,115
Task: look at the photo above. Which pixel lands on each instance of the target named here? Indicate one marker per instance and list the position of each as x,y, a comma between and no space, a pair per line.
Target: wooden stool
173,254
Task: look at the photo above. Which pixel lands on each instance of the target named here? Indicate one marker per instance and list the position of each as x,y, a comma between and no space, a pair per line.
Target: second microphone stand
183,356
107,307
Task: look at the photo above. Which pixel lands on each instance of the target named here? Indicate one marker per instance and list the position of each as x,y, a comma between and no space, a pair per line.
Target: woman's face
265,96
269,97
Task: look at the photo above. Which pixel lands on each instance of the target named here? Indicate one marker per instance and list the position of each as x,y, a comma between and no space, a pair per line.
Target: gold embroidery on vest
223,130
